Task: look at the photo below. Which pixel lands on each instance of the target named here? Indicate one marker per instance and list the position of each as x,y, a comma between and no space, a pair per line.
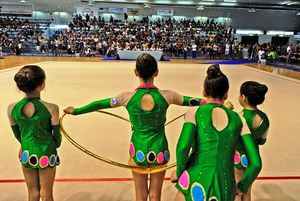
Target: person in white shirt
1,54
261,56
194,51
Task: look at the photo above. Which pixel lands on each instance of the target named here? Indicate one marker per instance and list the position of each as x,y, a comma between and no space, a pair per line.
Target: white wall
57,17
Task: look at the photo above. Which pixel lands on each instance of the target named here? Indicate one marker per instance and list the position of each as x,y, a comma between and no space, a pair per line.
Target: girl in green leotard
251,94
147,106
212,131
35,124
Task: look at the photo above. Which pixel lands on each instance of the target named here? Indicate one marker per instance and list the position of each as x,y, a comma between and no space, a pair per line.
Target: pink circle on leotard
184,180
131,150
203,102
44,161
237,157
160,157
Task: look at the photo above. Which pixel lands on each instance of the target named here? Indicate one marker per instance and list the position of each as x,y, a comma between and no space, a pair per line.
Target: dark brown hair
29,78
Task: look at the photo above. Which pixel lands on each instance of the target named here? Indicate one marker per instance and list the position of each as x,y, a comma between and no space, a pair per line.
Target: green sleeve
16,131
254,163
190,101
56,135
96,105
183,146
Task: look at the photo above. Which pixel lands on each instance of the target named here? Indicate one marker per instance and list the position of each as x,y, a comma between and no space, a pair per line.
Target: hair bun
213,71
262,89
254,91
22,78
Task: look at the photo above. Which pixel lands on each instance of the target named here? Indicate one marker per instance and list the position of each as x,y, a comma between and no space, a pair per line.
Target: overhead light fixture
245,31
90,3
288,3
200,7
298,13
285,33
22,1
251,10
146,5
232,1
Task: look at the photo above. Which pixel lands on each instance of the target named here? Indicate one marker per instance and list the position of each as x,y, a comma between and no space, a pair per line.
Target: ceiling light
146,5
233,1
185,2
200,7
298,13
90,3
22,1
251,10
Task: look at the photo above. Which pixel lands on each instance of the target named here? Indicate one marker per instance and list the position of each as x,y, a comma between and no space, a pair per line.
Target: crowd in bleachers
17,34
91,36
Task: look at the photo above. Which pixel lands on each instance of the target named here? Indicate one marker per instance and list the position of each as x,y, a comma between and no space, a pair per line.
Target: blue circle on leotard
198,193
52,160
244,161
33,160
167,155
25,156
140,156
194,102
151,157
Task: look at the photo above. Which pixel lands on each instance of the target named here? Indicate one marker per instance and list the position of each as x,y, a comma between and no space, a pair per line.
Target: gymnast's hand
174,177
238,192
69,110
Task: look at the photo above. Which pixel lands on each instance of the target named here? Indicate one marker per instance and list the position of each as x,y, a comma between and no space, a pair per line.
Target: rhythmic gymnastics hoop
140,170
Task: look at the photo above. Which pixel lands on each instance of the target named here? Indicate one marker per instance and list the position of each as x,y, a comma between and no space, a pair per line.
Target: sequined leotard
207,174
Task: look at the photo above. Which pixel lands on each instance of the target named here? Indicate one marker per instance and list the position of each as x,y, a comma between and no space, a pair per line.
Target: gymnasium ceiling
68,5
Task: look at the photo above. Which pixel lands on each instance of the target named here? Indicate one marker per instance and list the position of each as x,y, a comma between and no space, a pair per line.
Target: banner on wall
134,11
165,12
15,9
113,10
83,10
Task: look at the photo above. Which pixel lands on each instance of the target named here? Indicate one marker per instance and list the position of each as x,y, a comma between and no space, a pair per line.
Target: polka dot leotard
38,140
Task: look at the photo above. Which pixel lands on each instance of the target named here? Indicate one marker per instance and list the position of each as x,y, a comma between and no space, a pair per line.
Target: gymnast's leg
31,176
156,183
179,196
47,176
140,186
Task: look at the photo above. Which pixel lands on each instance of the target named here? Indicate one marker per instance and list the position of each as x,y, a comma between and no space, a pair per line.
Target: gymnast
251,94
147,106
211,132
35,124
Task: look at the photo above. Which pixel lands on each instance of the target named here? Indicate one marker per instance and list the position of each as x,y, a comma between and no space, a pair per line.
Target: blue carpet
109,58
114,59
231,62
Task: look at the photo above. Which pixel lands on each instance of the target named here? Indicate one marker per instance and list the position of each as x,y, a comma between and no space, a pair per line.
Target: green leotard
39,139
257,134
207,174
149,146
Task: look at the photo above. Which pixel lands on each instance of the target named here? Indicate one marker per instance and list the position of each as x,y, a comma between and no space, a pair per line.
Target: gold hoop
140,170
